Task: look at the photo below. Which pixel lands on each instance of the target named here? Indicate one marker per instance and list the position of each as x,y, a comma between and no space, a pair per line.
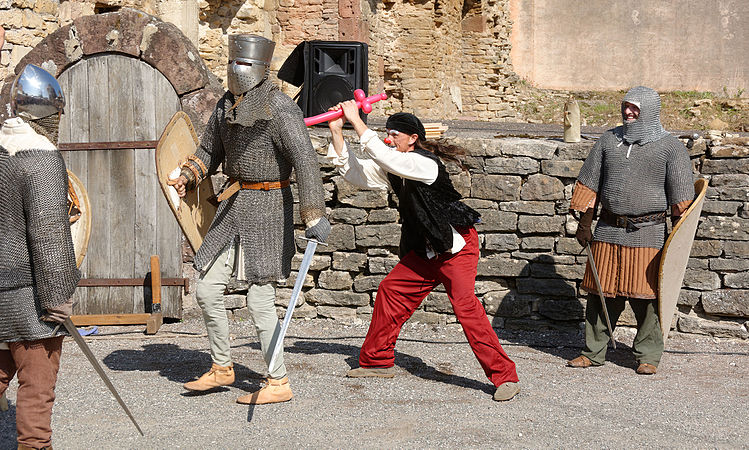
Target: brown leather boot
646,369
275,391
579,362
217,376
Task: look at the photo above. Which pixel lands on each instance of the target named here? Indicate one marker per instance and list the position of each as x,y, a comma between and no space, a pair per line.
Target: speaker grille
330,91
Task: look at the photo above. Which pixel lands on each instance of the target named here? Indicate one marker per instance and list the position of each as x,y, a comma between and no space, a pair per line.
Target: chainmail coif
37,262
647,128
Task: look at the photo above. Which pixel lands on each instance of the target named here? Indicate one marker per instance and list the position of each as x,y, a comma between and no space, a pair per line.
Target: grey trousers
261,300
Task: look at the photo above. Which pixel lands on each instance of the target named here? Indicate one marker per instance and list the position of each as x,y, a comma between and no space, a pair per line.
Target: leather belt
235,186
632,223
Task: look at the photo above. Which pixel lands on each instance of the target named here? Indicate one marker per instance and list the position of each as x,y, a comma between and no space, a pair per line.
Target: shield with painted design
675,257
194,212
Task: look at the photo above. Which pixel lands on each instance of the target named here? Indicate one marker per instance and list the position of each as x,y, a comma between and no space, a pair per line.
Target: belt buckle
266,186
622,222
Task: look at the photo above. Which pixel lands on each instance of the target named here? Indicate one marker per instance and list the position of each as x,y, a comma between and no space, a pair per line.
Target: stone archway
139,35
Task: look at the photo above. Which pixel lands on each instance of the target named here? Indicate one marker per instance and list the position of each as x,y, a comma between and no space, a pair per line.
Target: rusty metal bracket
110,282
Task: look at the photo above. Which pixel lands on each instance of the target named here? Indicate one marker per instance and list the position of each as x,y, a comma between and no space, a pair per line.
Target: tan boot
275,391
217,376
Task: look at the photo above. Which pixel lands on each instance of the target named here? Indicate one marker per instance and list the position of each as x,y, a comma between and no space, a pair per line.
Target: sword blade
94,362
600,294
303,268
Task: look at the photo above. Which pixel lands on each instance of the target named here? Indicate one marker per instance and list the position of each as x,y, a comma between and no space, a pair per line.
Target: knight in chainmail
259,136
640,175
38,272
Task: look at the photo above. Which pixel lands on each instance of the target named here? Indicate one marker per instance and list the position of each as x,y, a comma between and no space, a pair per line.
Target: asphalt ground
438,398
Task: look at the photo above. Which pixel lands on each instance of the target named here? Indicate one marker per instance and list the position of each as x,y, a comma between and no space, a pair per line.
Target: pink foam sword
362,101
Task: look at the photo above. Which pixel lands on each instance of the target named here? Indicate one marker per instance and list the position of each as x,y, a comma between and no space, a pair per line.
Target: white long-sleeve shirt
372,173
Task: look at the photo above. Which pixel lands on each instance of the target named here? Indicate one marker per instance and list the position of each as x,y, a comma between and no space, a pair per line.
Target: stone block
561,168
380,264
543,243
702,248
724,228
571,151
729,180
739,194
547,258
718,328
564,271
496,266
319,297
354,262
542,187
735,249
725,166
568,246
520,165
496,187
319,262
304,312
353,216
689,298
701,280
562,308
535,148
547,286
234,301
501,242
283,296
348,194
545,225
729,151
241,314
720,207
335,280
367,283
341,238
506,304
437,302
729,265
477,203
388,215
199,105
338,313
484,286
529,207
698,263
737,280
727,302
427,317
309,280
492,220
387,235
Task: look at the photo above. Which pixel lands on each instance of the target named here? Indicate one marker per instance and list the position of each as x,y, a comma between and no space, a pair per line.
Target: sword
600,294
303,268
92,359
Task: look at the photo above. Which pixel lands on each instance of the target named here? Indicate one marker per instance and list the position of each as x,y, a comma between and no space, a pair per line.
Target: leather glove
59,313
584,234
318,231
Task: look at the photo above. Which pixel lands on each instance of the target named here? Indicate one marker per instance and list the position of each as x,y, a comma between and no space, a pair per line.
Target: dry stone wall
531,265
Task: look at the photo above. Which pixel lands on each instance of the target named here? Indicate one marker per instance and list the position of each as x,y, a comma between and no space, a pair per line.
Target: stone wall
531,265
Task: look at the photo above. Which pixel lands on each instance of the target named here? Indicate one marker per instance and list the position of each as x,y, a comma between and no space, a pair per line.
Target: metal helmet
35,94
249,61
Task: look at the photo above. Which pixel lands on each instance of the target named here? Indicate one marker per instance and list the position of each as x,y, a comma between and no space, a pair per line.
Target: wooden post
156,319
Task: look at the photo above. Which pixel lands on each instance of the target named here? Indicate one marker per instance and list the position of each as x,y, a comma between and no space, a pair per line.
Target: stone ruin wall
442,59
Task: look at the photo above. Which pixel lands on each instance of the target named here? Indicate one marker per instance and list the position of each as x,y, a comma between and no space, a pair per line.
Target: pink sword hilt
362,101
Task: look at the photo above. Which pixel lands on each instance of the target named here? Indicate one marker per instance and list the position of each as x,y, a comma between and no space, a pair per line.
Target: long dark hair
443,149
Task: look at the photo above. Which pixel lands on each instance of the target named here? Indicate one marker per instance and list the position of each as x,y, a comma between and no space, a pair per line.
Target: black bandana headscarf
406,123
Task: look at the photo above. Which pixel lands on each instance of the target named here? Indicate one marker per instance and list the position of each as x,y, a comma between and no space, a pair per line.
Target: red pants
36,363
406,286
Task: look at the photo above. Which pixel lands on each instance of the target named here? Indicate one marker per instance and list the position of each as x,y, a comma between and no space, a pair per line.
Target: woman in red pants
439,244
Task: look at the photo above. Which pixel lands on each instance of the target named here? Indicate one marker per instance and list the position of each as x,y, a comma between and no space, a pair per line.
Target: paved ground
439,397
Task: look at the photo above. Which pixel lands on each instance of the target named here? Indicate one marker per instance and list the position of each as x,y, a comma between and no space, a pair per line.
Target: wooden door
115,98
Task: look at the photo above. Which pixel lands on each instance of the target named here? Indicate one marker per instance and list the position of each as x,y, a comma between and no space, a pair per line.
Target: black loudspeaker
331,71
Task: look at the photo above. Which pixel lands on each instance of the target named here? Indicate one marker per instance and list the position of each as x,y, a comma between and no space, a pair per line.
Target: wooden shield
193,212
79,210
675,257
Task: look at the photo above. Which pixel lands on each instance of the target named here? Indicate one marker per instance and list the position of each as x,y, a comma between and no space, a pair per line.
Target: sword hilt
314,240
